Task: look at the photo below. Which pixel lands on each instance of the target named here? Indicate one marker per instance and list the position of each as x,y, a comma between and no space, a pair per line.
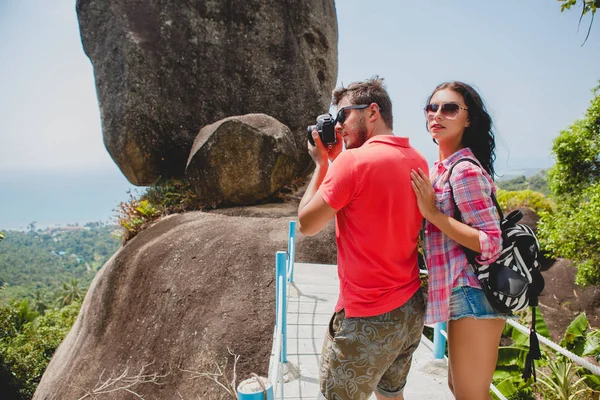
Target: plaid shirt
446,261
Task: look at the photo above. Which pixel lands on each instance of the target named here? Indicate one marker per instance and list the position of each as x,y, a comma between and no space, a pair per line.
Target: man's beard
361,135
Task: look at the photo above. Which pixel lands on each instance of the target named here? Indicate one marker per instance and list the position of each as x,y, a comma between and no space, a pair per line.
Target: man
379,315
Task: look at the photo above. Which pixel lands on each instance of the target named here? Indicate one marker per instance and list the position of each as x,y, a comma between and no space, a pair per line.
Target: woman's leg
472,355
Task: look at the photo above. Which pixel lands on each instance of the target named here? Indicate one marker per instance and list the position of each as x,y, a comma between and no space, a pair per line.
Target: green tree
69,293
28,352
587,6
577,152
573,229
573,232
40,302
14,317
8,384
44,259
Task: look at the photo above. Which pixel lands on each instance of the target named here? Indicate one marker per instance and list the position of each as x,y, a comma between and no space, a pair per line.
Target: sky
524,57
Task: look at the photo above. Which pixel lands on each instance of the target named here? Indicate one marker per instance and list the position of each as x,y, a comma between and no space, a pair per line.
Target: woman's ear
467,123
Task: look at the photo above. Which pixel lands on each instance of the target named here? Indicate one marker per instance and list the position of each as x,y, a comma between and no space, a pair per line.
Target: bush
27,352
162,198
510,200
573,232
537,183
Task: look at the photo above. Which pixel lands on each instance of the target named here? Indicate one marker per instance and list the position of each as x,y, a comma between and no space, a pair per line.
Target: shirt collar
462,153
390,139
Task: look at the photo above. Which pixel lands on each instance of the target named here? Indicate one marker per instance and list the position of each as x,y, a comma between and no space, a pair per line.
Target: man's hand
335,148
318,152
313,211
321,153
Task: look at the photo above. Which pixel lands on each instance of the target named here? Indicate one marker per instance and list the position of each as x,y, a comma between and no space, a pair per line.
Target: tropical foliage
536,183
573,229
509,200
27,342
162,198
44,274
558,378
35,263
587,6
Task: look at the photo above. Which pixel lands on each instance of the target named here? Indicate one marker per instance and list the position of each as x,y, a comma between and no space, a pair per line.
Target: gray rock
241,160
164,69
172,301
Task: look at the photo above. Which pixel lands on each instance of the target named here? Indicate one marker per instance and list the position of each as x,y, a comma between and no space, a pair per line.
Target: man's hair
367,92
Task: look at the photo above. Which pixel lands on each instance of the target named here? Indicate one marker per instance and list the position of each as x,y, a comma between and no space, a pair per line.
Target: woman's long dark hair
479,135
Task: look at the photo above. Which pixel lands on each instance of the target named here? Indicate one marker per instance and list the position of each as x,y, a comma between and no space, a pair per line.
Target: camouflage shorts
361,355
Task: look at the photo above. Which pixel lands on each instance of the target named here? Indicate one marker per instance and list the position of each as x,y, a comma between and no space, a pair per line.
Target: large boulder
171,302
165,68
241,160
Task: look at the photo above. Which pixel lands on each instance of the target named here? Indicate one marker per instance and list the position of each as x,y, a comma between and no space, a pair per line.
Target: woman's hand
424,192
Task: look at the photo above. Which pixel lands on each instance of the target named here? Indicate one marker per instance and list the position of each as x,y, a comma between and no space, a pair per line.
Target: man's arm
313,212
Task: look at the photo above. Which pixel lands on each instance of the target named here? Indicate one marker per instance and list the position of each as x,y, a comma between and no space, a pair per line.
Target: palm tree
40,302
23,313
70,292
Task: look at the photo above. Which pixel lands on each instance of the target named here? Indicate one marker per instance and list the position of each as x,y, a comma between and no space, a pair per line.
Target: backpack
514,281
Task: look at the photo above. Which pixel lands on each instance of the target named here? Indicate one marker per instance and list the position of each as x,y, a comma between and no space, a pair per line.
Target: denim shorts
467,301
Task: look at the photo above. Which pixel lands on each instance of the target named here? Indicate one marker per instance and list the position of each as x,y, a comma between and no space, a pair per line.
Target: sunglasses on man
341,115
448,110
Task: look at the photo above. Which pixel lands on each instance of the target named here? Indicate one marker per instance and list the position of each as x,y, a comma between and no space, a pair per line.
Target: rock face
241,160
562,299
174,299
165,69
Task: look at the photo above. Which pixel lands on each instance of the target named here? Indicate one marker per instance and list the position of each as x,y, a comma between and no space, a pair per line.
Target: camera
325,126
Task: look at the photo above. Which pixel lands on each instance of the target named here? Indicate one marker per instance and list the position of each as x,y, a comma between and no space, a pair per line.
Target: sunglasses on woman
341,115
447,109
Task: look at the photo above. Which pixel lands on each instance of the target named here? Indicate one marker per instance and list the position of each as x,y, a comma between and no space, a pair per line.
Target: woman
459,123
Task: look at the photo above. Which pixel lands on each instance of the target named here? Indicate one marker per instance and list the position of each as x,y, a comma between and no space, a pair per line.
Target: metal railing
284,272
284,261
440,338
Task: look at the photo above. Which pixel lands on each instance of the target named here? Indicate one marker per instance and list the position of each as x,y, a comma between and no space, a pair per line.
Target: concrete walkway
312,297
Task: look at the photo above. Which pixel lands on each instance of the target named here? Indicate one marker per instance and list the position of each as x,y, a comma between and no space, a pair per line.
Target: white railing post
291,250
281,290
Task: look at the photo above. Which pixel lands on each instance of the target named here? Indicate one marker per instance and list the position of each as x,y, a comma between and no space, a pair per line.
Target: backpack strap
458,215
456,210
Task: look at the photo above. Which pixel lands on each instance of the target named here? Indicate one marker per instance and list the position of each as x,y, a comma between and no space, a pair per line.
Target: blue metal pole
439,341
281,268
292,249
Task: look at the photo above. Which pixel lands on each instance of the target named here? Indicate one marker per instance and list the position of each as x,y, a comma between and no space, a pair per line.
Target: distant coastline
59,199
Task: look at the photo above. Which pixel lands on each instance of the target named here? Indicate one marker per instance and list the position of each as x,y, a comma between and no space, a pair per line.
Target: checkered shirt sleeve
446,261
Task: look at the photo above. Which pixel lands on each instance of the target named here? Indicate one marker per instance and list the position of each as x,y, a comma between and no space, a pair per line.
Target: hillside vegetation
536,183
38,262
44,275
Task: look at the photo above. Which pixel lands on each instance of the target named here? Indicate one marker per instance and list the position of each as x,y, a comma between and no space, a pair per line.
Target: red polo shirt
377,224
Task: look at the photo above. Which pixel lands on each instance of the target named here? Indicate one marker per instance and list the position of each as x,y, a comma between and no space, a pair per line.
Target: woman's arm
480,226
455,230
